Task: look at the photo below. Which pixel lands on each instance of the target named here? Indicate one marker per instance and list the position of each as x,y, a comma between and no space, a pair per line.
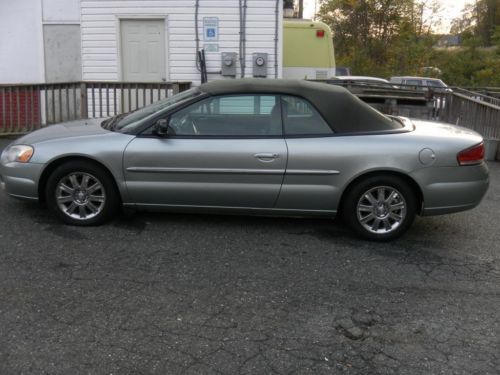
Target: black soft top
343,111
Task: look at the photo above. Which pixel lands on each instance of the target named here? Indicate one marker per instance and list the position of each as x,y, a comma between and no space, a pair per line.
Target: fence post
83,101
175,88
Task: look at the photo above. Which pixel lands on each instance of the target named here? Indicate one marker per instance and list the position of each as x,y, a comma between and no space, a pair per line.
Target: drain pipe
197,34
242,10
200,55
276,34
244,36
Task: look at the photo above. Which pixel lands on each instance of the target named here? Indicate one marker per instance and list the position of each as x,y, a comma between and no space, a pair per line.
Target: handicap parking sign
210,29
211,33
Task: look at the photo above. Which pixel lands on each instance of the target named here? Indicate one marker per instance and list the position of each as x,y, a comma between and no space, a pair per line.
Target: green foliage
394,37
478,22
378,37
469,66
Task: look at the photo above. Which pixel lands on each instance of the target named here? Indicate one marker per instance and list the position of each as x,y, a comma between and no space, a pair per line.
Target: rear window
301,118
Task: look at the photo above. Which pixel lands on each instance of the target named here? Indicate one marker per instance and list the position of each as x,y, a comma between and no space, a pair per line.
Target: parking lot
199,294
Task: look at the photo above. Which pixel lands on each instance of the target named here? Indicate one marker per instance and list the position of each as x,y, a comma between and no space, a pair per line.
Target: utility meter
259,64
228,64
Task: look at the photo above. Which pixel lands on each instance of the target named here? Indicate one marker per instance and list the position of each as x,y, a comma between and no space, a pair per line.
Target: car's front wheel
380,208
82,193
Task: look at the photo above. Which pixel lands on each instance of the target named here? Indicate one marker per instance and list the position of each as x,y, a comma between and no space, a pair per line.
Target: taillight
472,155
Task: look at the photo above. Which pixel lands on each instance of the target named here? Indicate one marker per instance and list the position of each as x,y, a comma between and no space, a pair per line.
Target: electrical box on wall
228,64
259,64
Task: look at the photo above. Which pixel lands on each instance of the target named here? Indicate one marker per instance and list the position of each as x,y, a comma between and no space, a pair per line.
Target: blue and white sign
210,29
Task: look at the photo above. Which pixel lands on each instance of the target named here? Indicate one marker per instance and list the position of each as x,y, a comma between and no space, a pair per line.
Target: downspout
244,36
242,9
200,55
276,34
197,36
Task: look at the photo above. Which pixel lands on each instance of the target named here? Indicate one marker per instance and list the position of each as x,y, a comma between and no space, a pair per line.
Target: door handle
266,156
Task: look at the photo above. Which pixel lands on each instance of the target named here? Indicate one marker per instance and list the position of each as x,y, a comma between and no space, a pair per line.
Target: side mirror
161,127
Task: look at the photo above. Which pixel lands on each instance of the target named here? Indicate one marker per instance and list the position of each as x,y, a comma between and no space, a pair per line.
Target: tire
82,193
380,208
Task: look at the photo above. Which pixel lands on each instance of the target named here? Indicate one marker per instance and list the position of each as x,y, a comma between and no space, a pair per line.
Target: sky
450,10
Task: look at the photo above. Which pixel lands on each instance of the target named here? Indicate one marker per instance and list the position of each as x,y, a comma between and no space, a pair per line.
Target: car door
225,151
311,180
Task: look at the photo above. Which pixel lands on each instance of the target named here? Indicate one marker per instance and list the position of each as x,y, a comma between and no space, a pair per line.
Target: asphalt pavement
200,294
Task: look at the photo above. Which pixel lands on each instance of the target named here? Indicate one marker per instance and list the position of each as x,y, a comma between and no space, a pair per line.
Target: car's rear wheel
82,193
380,208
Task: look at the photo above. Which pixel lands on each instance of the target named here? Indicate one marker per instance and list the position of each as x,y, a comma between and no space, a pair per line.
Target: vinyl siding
100,36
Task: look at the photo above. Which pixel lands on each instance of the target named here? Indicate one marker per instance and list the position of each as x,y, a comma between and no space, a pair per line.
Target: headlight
17,153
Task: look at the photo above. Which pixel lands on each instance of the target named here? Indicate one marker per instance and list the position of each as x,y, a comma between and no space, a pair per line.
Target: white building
138,40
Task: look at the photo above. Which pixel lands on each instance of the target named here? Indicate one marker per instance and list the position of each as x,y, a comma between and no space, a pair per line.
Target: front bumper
20,180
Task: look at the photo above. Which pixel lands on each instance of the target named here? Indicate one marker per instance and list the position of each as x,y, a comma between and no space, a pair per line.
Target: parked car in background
271,147
423,83
361,81
342,71
434,88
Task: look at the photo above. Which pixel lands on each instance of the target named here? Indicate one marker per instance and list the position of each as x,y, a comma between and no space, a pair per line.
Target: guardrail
485,97
490,91
27,107
483,117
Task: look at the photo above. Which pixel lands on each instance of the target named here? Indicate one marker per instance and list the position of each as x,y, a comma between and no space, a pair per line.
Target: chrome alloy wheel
381,209
80,196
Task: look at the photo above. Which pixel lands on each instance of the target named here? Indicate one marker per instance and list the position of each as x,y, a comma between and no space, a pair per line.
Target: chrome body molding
313,172
204,170
232,171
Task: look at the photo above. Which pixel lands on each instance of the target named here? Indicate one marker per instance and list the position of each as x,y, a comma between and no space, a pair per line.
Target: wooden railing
27,107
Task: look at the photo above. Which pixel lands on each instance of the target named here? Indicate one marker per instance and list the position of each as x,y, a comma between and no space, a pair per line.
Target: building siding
101,39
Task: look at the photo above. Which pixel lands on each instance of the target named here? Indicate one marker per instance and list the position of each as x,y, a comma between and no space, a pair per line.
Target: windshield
127,122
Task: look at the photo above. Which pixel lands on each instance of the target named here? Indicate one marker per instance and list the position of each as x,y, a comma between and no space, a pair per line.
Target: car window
435,83
301,118
229,116
413,82
128,122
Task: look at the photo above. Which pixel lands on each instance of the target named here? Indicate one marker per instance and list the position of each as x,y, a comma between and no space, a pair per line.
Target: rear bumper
452,189
20,180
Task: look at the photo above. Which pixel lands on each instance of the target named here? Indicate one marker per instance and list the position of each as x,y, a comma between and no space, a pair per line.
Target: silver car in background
270,147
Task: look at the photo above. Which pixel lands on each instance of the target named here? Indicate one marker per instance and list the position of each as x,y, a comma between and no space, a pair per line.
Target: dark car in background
423,83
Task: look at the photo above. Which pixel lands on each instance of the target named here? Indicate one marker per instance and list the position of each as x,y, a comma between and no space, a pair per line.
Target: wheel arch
54,164
405,177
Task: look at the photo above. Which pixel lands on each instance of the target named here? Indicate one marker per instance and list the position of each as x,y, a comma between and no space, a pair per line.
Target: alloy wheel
80,196
381,209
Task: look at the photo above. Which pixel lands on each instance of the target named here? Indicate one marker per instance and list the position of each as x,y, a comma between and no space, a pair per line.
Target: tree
380,37
479,22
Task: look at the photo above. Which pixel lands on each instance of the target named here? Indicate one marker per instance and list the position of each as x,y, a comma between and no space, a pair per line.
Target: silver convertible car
270,147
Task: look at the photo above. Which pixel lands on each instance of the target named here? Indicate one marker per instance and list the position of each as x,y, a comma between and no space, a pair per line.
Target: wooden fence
24,108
